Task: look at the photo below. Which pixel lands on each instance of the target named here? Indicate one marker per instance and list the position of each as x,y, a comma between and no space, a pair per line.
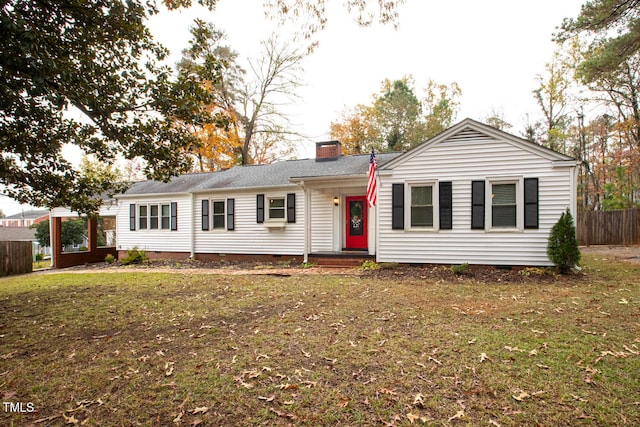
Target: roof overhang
565,164
330,181
143,195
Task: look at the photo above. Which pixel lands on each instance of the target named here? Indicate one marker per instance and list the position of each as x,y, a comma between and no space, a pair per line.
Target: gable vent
470,135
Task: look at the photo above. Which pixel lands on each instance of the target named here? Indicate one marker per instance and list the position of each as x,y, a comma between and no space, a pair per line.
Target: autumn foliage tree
397,119
89,73
247,123
590,102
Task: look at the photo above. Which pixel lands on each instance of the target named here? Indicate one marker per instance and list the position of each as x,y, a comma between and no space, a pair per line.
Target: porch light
336,201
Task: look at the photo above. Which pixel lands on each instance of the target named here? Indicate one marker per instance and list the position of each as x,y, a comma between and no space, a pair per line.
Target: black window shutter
205,215
132,217
291,207
231,214
477,205
174,216
531,203
260,209
446,205
397,206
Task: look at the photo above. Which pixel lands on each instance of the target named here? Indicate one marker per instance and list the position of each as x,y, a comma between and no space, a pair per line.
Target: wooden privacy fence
609,227
16,258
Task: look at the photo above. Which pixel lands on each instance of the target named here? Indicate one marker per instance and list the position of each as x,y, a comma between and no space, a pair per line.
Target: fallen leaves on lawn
168,368
457,415
413,417
283,414
70,420
418,400
344,401
521,396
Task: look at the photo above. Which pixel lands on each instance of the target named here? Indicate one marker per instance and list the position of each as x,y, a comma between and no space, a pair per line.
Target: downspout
192,230
574,195
307,223
51,238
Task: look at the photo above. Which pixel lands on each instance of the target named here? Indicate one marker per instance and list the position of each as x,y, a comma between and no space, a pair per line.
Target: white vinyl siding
250,237
161,239
464,158
324,234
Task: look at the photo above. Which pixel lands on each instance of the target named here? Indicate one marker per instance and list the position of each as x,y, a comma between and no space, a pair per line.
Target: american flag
372,197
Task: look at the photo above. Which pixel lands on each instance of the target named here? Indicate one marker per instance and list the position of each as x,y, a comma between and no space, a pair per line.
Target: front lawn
114,349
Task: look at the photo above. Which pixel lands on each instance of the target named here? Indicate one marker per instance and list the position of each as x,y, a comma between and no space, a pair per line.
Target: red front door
356,222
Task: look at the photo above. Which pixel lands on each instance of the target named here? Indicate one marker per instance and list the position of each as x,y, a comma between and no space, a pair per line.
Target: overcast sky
493,49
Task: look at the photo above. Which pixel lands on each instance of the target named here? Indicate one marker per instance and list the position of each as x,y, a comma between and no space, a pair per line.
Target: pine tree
563,247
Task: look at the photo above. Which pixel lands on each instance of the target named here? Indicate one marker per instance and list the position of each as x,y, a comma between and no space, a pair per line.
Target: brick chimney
330,150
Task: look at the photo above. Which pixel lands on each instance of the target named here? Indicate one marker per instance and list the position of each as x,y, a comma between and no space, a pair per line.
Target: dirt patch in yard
433,273
421,272
622,253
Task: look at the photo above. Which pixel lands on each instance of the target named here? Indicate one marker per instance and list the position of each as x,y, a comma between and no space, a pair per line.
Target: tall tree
440,106
214,66
86,73
357,131
397,120
273,82
613,26
553,98
398,112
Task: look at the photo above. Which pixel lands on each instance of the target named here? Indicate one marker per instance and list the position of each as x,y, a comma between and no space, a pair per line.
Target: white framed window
421,206
143,217
218,214
165,217
153,217
422,200
505,204
277,208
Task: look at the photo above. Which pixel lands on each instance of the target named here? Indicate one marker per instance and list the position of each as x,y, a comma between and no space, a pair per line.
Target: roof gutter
315,179
138,195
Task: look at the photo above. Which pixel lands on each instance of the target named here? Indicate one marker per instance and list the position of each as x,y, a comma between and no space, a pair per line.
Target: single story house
472,194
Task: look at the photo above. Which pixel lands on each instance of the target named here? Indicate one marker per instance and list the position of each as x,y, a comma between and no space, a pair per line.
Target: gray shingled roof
20,234
32,214
272,175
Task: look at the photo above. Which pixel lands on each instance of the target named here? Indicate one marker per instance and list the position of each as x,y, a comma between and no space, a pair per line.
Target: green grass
113,349
45,263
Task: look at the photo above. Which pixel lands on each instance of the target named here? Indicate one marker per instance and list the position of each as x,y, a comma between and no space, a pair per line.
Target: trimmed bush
563,247
135,256
460,270
109,259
